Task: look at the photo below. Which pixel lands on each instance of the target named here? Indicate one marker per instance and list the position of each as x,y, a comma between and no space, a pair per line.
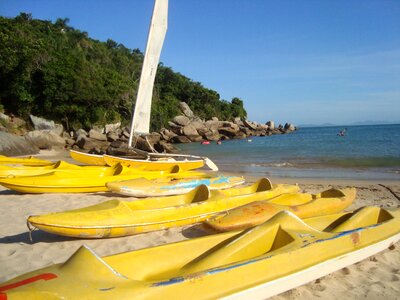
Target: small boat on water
120,218
257,263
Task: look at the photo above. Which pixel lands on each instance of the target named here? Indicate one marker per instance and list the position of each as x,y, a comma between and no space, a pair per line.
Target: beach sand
377,277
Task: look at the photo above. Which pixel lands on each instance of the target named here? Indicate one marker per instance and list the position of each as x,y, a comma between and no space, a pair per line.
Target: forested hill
57,72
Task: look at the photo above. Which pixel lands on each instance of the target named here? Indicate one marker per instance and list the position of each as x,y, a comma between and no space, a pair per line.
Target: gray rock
167,134
227,131
271,124
13,145
184,107
58,129
172,125
153,138
181,139
81,132
212,136
41,123
238,121
240,135
250,124
45,139
87,143
164,147
214,119
4,117
199,125
189,131
212,124
112,127
112,136
195,138
94,134
289,127
99,129
181,120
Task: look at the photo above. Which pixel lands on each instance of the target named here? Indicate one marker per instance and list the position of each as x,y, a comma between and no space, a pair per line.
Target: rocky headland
23,137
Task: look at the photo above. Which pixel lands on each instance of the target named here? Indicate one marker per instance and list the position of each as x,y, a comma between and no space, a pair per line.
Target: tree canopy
58,72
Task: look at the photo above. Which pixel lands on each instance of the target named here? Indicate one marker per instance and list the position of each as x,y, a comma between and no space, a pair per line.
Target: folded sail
141,118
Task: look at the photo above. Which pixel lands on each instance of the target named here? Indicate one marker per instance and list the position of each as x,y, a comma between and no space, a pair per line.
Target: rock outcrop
13,145
113,139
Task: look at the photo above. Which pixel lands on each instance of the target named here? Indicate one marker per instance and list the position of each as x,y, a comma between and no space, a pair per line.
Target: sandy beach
375,278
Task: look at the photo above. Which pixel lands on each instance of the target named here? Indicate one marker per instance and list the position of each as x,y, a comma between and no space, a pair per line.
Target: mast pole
140,123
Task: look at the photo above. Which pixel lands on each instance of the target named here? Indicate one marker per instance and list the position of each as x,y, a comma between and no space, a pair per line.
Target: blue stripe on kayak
196,182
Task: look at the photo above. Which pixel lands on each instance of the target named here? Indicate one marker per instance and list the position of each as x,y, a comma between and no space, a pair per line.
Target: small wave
277,164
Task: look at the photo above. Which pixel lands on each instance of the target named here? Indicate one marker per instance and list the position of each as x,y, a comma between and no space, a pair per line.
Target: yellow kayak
302,205
60,166
26,161
158,164
154,165
116,218
68,182
257,263
87,158
168,186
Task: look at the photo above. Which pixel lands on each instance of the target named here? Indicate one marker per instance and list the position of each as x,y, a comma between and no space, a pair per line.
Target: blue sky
309,61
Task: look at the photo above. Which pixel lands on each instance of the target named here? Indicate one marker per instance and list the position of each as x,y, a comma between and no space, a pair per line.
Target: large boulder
270,124
167,134
250,124
227,131
45,139
87,143
289,127
164,147
95,134
181,120
199,125
181,139
41,123
189,131
112,127
184,107
212,135
13,145
212,124
238,121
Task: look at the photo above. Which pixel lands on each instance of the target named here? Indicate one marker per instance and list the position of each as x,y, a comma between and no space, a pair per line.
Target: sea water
365,152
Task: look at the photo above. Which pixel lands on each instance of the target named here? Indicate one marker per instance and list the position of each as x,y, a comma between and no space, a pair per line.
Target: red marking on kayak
45,276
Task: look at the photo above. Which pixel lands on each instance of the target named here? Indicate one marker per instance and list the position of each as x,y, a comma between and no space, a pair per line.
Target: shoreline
373,278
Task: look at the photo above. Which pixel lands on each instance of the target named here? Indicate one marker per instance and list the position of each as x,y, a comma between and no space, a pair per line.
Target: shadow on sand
9,192
38,236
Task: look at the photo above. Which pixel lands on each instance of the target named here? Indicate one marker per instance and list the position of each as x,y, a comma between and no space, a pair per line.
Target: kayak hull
26,161
255,213
116,218
154,165
171,186
260,262
87,158
81,182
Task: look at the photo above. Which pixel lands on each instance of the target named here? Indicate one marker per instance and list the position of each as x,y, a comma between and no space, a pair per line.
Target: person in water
342,132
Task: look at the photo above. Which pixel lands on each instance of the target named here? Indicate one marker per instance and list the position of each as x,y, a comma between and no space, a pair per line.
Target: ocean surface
365,152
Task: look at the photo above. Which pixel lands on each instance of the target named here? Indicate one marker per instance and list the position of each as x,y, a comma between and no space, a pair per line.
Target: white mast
140,123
